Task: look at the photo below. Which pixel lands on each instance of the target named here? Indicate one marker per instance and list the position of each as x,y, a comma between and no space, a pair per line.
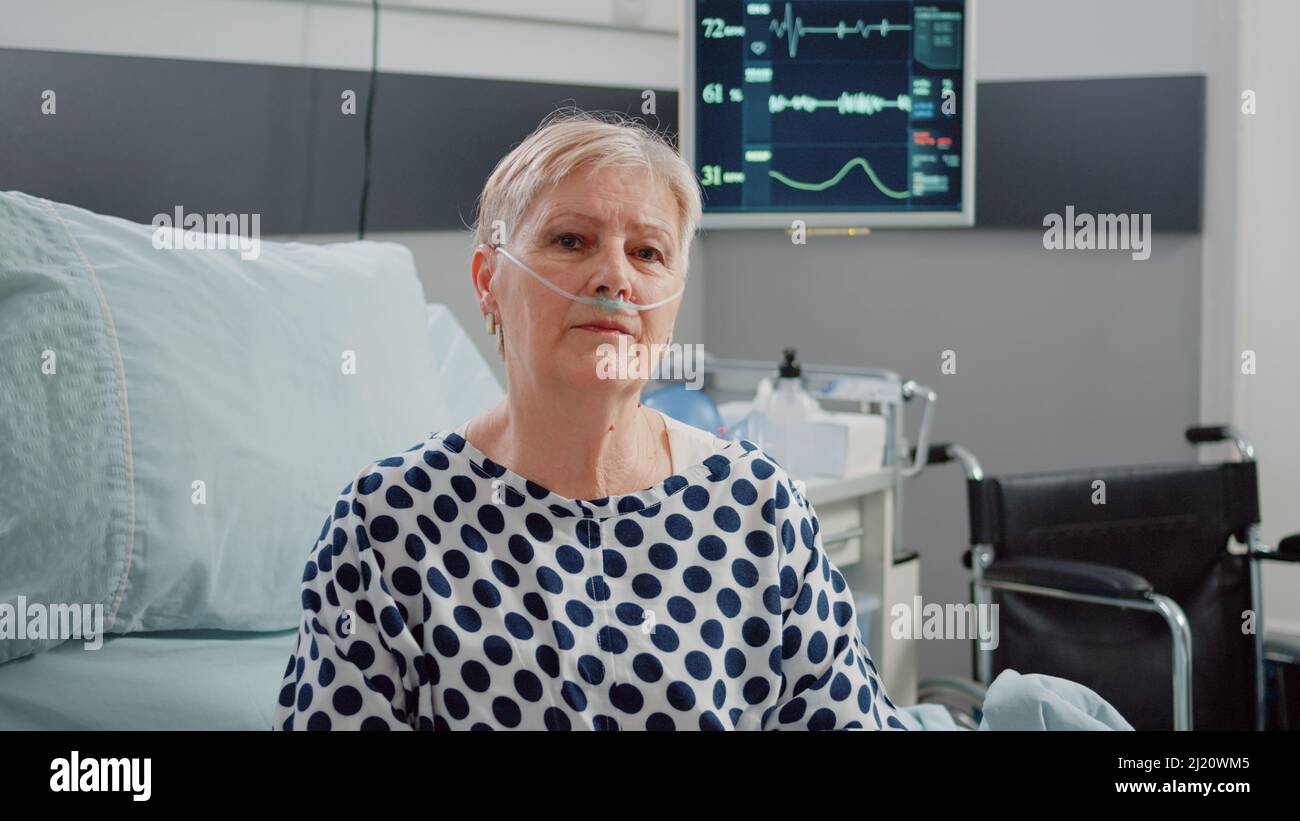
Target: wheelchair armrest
1089,578
1288,550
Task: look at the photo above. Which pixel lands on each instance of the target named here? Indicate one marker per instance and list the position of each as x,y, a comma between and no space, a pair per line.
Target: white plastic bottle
782,418
789,401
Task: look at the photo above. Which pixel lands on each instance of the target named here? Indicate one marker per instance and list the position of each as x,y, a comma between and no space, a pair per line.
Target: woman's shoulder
691,445
424,486
413,469
732,460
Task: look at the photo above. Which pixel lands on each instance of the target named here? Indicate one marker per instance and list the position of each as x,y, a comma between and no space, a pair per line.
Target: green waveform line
845,103
835,180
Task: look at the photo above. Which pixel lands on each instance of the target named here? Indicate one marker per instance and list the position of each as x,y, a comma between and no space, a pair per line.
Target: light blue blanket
1027,702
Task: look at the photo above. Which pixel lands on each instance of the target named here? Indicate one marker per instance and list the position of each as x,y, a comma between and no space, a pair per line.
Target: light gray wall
1268,289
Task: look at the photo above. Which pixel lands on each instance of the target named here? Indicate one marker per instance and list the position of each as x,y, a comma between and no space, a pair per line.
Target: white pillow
175,424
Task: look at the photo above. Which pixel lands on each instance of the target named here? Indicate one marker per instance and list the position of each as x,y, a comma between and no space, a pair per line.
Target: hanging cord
370,112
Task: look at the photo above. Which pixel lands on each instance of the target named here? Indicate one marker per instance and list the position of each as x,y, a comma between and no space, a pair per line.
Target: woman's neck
579,446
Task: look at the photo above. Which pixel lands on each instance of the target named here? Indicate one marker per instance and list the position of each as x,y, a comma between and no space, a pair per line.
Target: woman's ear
482,275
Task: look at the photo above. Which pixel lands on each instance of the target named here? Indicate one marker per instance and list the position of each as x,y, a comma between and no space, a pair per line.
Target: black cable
370,112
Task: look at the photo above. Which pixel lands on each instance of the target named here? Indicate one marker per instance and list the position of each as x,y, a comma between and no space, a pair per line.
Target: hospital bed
202,679
181,422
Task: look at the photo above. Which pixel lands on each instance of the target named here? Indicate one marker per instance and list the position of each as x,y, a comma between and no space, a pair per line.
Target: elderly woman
570,559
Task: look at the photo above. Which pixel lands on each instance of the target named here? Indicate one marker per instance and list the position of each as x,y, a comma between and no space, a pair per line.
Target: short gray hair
570,138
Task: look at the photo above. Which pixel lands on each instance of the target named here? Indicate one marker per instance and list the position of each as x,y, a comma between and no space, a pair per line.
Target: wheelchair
1141,583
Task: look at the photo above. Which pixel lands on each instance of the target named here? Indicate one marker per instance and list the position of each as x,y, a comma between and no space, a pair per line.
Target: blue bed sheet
166,680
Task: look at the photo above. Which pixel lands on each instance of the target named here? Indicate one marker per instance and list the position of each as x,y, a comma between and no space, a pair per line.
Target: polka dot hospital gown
447,592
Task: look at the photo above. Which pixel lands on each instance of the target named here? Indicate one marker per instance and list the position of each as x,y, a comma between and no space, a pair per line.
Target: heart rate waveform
793,29
846,103
838,177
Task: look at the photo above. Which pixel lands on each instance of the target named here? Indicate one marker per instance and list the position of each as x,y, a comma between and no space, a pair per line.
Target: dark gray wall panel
1131,145
136,136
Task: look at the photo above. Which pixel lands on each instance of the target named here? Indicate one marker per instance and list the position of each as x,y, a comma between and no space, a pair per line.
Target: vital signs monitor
840,113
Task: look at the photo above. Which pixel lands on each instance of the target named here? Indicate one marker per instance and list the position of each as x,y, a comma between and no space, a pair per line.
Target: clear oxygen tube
606,304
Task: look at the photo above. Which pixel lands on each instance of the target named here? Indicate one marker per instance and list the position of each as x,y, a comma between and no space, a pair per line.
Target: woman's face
611,231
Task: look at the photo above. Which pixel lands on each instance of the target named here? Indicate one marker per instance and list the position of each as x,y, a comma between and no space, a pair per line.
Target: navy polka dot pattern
447,592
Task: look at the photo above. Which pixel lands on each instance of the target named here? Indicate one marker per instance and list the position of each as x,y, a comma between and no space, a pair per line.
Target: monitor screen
839,113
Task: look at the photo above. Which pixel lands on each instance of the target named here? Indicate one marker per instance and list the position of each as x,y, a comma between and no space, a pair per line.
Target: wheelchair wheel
963,698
